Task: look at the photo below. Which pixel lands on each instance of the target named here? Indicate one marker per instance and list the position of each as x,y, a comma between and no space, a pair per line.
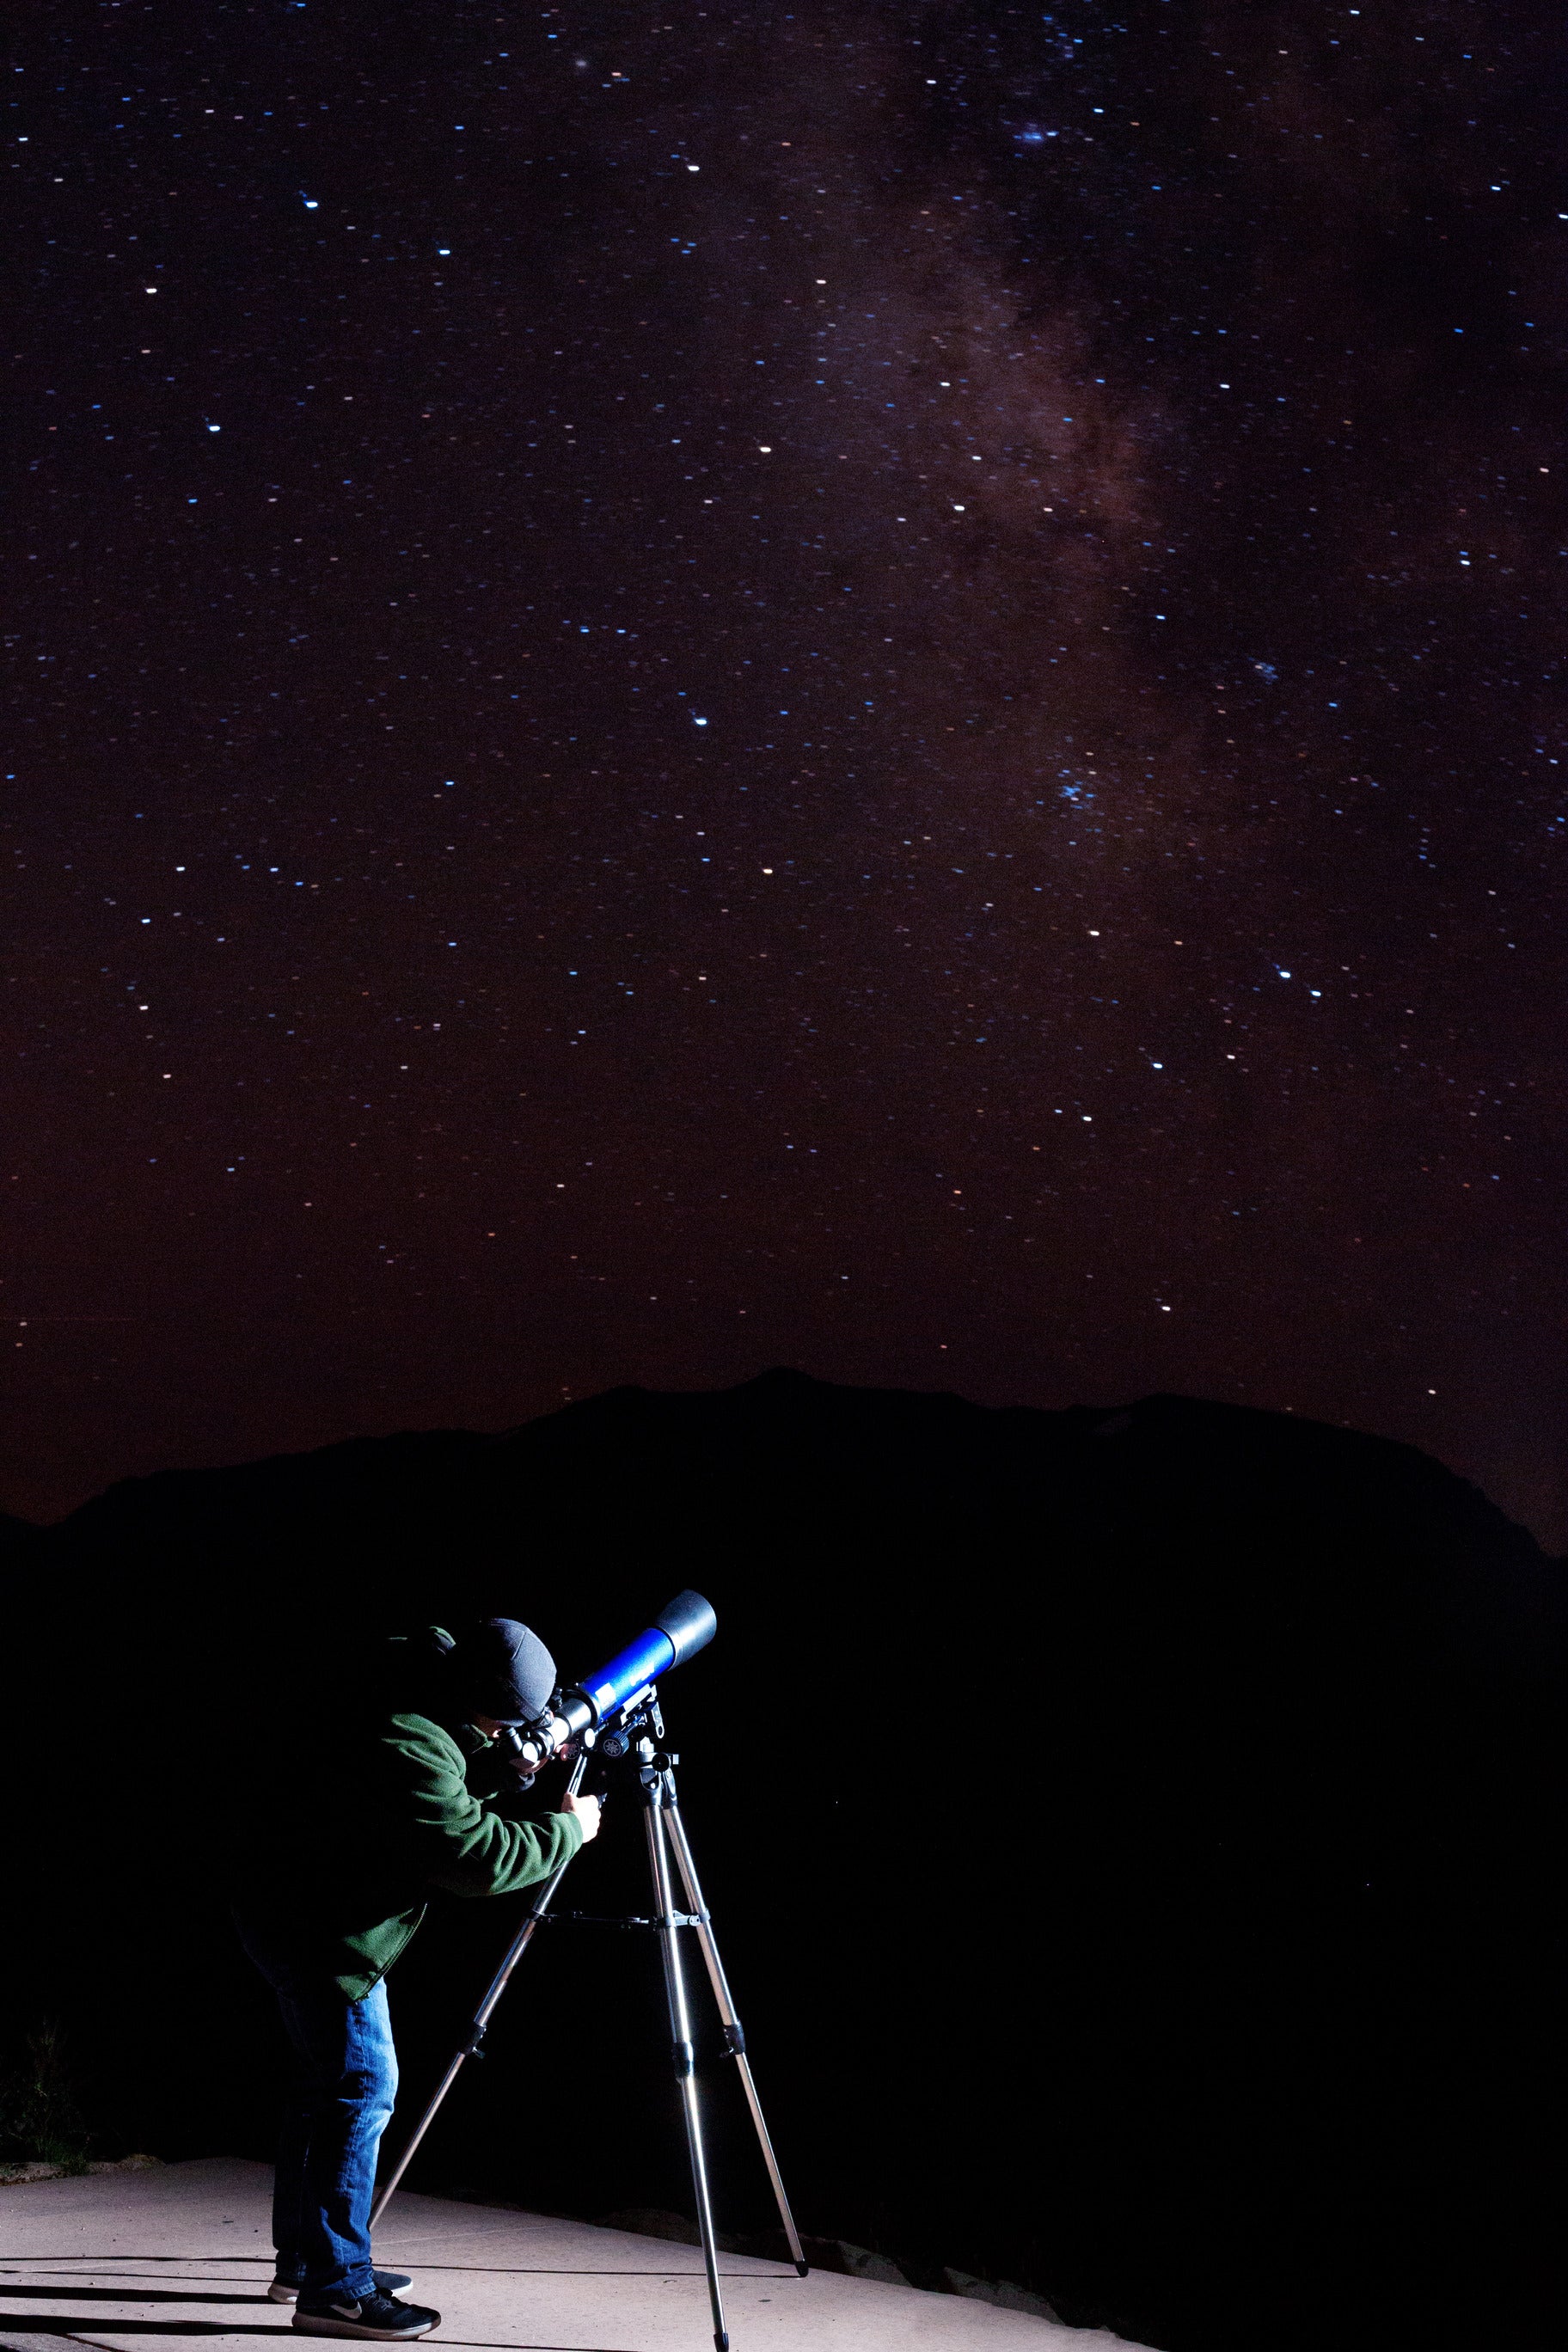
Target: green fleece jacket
338,1875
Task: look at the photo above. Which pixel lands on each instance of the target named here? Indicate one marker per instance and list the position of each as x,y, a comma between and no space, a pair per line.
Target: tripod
637,1740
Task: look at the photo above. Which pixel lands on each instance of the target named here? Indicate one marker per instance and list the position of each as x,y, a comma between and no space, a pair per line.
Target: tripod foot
720,2340
805,2269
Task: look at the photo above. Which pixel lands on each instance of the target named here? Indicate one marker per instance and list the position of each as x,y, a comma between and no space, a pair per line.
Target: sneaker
286,2289
380,2317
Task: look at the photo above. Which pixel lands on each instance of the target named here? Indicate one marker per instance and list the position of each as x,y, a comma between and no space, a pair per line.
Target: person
368,1812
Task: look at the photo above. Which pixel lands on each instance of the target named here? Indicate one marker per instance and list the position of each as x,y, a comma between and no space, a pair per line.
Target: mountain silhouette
1133,1835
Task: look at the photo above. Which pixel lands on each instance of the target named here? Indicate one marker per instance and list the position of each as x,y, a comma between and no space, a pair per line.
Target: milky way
867,687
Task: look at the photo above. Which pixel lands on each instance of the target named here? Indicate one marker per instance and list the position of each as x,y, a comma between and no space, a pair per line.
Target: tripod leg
734,2033
681,2038
482,2018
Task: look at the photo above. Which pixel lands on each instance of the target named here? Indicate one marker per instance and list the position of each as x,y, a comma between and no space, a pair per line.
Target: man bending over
373,1812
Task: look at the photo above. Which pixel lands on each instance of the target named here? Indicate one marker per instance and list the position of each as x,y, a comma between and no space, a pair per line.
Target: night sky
872,688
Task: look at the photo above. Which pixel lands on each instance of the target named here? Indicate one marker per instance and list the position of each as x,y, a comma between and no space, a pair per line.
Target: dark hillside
1133,1836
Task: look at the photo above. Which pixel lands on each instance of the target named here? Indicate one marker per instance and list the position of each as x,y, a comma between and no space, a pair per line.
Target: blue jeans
337,2106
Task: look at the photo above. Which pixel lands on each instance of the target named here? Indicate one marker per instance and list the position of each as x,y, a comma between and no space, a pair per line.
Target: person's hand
587,1812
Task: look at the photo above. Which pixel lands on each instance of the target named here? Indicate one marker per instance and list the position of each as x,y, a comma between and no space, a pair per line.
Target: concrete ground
184,2250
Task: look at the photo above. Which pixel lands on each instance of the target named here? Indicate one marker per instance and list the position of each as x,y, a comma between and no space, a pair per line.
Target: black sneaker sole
323,2322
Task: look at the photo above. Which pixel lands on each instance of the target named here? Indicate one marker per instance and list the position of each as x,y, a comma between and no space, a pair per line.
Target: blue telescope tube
684,1625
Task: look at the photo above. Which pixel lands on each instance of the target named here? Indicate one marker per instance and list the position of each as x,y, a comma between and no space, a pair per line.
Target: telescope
614,1716
581,1712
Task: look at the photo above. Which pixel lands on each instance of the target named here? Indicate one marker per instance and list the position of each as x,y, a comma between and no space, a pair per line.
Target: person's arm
460,1844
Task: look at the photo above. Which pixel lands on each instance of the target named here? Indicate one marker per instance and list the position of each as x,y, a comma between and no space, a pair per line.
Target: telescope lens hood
690,1624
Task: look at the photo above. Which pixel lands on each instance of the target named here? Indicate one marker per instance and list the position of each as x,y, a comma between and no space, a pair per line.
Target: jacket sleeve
457,1843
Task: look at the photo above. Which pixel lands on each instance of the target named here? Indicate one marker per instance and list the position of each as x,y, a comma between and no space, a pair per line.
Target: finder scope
683,1626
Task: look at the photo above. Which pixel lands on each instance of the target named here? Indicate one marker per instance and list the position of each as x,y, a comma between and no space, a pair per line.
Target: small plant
40,2122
